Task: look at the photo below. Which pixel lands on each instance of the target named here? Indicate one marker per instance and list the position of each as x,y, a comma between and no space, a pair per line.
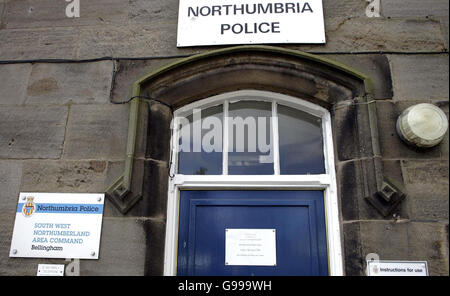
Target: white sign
58,225
50,270
220,22
250,247
397,268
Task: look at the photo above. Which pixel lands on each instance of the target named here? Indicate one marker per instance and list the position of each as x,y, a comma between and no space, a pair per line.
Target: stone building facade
64,123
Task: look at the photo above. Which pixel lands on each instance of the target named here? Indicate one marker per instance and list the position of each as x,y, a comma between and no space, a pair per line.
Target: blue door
297,216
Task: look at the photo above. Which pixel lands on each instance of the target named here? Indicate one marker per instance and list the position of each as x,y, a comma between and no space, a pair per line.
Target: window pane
250,140
301,142
201,146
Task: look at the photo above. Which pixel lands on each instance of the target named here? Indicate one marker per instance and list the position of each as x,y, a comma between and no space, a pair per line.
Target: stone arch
345,92
289,72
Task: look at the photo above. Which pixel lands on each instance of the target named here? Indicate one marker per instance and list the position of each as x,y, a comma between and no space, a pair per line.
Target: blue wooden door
297,216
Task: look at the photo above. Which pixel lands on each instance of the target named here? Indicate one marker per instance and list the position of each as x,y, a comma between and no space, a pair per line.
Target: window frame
324,182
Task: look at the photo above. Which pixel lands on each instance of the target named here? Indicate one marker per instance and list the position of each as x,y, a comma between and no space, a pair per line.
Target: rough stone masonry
59,131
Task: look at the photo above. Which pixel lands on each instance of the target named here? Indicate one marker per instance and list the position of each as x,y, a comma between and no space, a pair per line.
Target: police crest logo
375,269
28,207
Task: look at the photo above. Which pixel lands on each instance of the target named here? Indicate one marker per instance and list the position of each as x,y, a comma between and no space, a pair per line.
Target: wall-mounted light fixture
422,125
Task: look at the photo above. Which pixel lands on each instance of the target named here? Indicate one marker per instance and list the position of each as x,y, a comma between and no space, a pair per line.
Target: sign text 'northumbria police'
220,22
57,225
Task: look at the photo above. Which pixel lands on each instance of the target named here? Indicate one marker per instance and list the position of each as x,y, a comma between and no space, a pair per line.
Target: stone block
61,83
351,131
417,77
444,26
428,202
345,132
444,145
130,41
128,71
425,172
122,249
45,43
414,8
155,231
32,132
10,179
50,13
158,132
379,34
426,182
97,132
344,8
429,242
388,239
353,260
375,66
64,176
350,189
144,11
141,135
2,6
13,80
155,189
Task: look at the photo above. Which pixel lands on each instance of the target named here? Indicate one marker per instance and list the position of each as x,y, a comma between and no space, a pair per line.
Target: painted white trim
335,258
253,95
325,182
316,181
225,140
275,139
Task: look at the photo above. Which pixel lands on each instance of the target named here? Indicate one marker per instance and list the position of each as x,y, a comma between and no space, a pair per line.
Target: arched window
250,133
288,100
251,140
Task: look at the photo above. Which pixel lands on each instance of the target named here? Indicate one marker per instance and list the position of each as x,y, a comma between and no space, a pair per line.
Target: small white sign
397,268
58,225
220,22
250,247
50,270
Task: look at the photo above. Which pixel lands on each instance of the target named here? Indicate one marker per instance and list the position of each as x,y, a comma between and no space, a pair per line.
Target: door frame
324,182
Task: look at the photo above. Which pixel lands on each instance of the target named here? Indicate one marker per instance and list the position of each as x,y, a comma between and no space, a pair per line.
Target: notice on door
250,247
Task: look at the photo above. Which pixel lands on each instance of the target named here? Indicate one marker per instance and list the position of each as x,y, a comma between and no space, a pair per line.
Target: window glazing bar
225,138
275,139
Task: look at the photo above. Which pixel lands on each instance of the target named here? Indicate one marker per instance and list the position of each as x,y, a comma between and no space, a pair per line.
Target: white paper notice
250,247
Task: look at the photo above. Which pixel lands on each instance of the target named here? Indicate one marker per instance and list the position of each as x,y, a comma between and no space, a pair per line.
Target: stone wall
59,132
